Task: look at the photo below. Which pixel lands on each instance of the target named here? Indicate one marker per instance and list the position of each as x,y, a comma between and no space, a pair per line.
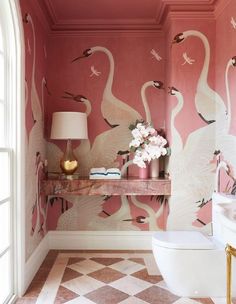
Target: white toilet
192,263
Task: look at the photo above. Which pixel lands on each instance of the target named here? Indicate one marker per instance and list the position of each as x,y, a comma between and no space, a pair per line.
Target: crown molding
192,15
98,25
109,33
186,9
189,8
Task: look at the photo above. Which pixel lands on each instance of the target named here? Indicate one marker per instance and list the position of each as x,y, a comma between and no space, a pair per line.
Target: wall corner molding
220,7
42,16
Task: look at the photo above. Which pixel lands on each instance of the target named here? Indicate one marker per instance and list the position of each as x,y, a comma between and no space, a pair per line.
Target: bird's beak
171,90
77,58
234,61
86,53
158,85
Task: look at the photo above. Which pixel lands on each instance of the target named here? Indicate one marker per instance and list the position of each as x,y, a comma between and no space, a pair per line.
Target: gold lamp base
69,164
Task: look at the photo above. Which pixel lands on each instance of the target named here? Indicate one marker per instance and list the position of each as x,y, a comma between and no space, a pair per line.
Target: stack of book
103,173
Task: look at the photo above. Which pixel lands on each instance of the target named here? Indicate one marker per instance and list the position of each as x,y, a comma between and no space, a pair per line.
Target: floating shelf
124,186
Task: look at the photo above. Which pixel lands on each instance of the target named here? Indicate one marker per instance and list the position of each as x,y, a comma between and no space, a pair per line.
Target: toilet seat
182,240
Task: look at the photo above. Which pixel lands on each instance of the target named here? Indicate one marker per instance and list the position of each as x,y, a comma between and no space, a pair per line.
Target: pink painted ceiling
116,14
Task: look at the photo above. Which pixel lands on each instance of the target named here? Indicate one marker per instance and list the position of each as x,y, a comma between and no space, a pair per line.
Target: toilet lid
182,240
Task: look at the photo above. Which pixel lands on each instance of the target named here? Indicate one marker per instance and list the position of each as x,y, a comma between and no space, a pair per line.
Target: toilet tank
219,198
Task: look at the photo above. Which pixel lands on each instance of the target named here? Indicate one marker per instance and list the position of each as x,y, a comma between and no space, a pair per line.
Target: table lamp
69,126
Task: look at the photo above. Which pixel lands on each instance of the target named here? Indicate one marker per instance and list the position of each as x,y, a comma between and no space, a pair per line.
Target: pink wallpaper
192,140
134,65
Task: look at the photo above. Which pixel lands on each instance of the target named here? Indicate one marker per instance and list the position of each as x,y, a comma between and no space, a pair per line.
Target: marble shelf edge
85,186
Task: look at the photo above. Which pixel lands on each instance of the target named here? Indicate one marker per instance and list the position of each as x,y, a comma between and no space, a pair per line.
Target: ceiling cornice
98,25
184,9
109,33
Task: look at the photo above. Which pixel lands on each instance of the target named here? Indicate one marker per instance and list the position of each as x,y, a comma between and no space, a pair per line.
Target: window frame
13,41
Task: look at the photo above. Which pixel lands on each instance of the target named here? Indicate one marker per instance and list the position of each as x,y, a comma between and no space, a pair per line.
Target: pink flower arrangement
146,144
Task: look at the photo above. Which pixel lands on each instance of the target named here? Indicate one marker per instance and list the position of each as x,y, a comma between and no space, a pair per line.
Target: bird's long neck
143,206
108,87
177,143
221,165
43,110
124,208
204,72
227,92
144,100
26,93
88,107
34,45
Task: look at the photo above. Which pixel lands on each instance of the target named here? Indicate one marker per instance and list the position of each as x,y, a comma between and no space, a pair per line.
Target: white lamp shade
69,125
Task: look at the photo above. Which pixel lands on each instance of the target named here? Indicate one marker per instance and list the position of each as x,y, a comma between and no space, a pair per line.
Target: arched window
10,145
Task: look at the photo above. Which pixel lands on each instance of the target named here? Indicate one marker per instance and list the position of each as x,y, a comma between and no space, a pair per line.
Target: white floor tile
80,300
130,285
185,301
86,266
133,300
127,266
83,285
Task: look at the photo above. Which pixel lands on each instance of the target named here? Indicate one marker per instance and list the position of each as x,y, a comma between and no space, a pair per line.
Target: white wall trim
100,240
34,262
19,126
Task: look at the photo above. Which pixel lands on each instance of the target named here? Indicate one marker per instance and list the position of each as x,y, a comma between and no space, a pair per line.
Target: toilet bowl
192,263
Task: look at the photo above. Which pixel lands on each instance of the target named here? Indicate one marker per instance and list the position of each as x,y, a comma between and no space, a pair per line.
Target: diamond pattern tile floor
102,278
107,295
107,275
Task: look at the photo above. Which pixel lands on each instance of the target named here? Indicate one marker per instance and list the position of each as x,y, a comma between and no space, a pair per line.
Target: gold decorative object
69,125
229,252
69,163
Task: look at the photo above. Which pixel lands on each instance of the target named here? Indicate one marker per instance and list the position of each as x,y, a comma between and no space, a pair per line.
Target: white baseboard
100,240
35,261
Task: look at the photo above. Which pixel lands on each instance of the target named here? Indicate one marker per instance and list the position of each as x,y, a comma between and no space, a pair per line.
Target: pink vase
143,172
